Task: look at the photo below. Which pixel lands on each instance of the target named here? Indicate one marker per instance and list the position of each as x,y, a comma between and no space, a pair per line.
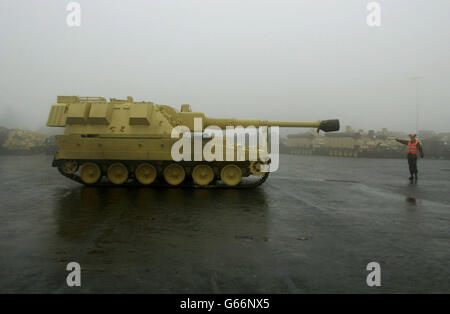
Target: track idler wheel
69,166
174,174
90,173
231,175
117,173
202,174
145,173
255,168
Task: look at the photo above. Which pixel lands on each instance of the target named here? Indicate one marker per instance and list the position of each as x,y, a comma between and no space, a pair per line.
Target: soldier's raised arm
404,142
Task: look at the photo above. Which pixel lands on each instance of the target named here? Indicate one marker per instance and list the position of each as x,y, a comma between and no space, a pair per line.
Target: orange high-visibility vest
412,147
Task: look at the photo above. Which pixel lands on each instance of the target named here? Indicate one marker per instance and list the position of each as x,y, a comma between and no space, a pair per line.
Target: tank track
160,182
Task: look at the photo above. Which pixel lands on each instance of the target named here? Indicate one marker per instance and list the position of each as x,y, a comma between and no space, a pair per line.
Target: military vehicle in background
302,143
349,143
436,145
3,136
346,144
126,142
21,142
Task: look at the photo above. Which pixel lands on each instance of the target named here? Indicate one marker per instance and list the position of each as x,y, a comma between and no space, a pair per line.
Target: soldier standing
414,148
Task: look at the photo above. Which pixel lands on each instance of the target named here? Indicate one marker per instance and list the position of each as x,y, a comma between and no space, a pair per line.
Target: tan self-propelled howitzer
122,142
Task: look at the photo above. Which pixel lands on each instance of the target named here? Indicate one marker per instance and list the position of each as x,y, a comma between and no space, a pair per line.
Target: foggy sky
277,59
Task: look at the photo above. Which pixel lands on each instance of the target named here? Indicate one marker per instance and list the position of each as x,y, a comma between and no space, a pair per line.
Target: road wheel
174,174
117,173
202,174
90,173
231,175
145,173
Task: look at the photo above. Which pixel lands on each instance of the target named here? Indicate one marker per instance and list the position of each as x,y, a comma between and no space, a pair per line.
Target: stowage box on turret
125,142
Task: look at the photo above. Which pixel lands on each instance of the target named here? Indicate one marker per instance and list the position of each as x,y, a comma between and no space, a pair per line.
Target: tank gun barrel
324,125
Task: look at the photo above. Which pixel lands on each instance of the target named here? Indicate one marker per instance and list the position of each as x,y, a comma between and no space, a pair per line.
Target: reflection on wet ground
411,200
312,227
160,235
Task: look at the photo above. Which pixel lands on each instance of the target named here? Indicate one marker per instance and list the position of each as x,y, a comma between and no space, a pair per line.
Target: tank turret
125,141
93,115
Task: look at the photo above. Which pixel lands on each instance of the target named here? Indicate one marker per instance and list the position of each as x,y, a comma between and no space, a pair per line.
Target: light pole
417,79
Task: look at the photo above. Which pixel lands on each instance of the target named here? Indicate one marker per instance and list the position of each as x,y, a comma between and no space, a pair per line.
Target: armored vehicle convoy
122,142
21,142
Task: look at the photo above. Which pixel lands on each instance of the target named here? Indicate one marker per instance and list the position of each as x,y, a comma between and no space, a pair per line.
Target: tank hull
133,152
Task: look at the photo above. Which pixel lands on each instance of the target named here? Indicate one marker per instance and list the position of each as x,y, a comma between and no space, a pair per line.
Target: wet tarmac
312,227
